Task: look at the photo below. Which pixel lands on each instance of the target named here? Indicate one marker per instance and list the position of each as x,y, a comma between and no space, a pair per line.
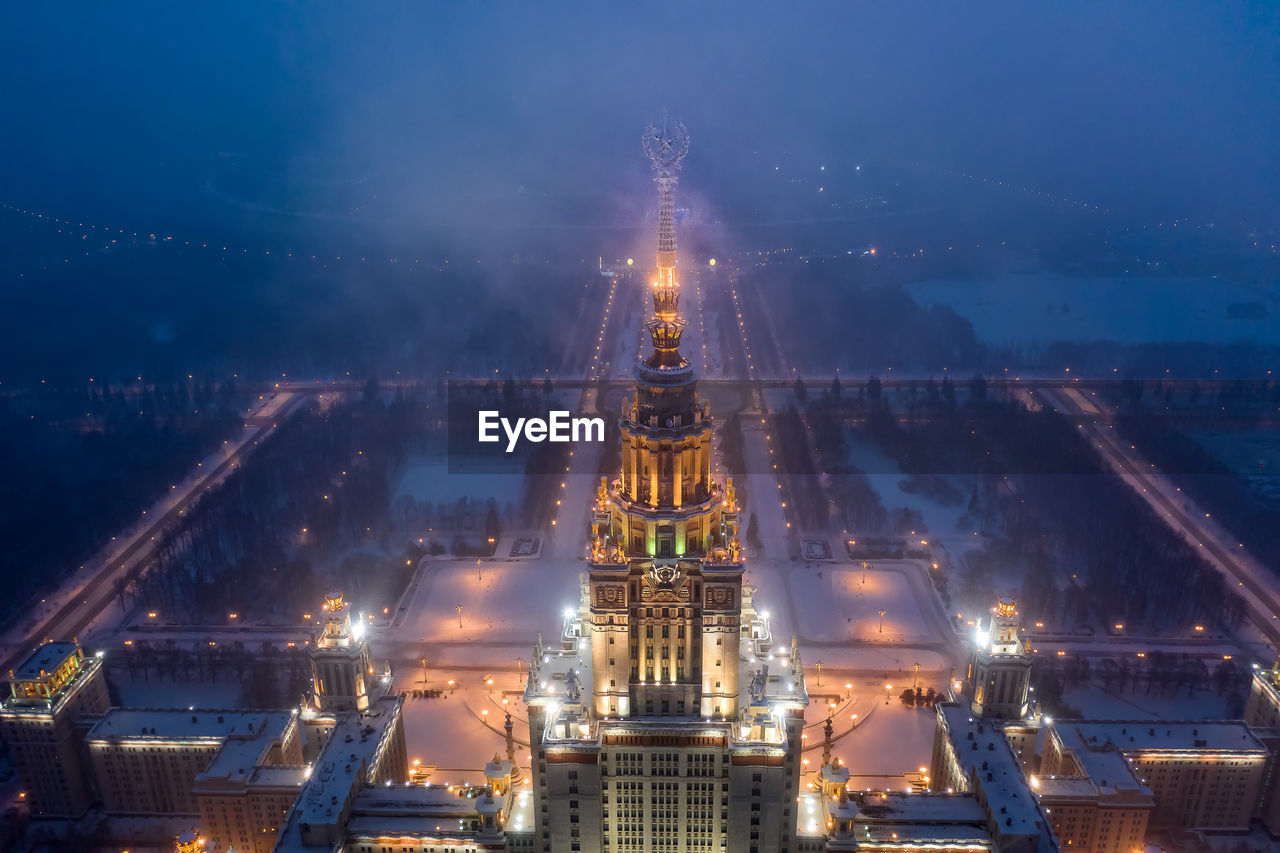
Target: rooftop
1050,787
44,660
984,753
196,724
1105,766
899,807
280,775
242,753
1163,735
340,771
929,821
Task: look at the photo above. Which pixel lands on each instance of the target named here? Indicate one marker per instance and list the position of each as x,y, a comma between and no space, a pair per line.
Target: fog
402,117
511,131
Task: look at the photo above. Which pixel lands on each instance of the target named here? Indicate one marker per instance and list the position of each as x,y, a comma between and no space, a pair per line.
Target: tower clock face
666,145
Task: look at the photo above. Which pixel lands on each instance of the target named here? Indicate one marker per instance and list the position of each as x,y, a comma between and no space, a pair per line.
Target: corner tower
341,666
999,677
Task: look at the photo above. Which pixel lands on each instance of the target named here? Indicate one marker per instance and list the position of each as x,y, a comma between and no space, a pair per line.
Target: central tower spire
666,147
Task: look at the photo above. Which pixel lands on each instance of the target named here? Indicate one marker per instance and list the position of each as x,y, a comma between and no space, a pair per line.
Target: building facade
342,671
146,760
664,720
53,694
1202,774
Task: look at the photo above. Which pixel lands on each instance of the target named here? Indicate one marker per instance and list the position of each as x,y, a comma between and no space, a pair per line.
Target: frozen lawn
168,694
428,480
1098,704
838,605
501,602
1030,308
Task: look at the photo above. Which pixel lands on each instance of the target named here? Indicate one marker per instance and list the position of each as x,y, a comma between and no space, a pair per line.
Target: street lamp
881,612
424,671
915,672
864,572
479,576
459,616
887,688
819,673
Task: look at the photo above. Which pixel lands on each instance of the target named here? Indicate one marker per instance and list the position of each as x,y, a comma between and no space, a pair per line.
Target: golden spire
666,147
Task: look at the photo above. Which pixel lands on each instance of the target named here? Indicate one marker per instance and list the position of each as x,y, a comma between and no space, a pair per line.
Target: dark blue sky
401,116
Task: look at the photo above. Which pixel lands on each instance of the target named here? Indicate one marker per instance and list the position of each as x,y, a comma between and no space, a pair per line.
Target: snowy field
509,603
453,733
169,694
1099,704
851,604
454,737
1042,307
940,522
890,740
428,480
501,602
1253,454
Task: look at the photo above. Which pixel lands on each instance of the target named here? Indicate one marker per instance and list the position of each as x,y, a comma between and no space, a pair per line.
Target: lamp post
819,673
915,673
424,671
881,612
459,616
887,688
479,576
864,572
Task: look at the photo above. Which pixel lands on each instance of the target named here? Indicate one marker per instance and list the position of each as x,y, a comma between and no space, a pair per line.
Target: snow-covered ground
428,479
453,733
892,740
852,600
501,602
1253,454
1043,307
158,693
1099,704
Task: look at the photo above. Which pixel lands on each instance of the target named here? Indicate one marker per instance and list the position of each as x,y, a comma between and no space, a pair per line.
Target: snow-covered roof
1064,787
1197,736
914,821
242,754
427,800
186,725
44,660
279,775
811,819
899,807
339,773
984,752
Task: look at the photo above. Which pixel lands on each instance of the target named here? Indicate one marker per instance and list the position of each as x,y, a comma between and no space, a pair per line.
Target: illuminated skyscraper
656,722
